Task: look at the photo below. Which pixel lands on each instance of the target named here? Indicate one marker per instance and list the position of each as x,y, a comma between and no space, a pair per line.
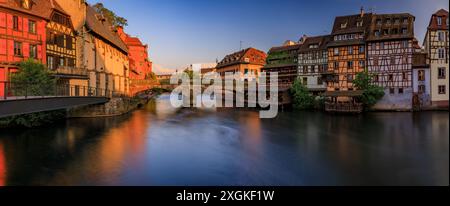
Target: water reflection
160,145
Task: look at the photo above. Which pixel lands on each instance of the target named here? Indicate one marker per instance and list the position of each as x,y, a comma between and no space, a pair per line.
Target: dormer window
26,4
359,23
388,21
378,21
404,31
396,21
377,33
344,25
439,21
405,20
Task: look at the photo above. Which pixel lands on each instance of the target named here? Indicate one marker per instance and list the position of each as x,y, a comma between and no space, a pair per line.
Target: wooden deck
344,107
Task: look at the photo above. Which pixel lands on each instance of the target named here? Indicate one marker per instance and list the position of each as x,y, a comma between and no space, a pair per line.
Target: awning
343,93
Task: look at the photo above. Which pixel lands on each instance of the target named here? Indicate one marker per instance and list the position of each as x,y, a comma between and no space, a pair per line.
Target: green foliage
371,93
110,15
33,79
302,99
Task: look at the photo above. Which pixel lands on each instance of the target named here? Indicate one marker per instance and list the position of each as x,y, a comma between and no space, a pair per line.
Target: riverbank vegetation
302,99
371,93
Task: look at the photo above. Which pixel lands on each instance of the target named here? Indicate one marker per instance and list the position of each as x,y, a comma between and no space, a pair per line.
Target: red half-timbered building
22,35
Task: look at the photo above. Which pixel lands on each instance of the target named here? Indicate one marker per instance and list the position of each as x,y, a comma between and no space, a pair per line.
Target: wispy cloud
159,69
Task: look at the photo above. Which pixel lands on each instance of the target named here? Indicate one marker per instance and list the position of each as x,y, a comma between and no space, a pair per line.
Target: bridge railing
16,90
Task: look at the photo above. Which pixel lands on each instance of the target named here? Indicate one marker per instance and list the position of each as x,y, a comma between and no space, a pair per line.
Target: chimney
362,12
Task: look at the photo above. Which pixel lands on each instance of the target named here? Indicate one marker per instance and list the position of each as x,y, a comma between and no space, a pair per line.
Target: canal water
160,145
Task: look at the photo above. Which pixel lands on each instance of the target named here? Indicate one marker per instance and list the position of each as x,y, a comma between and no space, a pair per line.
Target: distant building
389,58
313,62
140,65
436,45
246,61
22,35
283,60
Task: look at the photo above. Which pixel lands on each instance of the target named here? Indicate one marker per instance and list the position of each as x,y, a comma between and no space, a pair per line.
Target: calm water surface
159,145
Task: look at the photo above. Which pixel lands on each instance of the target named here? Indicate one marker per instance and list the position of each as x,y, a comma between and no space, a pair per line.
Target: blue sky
182,32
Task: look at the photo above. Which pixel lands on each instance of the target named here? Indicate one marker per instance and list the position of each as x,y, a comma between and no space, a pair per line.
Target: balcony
71,72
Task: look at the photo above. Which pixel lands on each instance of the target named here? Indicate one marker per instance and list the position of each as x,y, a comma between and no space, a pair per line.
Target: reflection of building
283,59
313,62
100,50
346,58
389,58
246,61
420,78
436,45
140,65
22,34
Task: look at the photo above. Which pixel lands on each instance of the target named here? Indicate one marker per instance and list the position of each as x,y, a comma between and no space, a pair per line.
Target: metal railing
22,90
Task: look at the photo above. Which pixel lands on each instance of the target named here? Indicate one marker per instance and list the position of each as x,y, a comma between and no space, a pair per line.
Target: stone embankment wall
115,107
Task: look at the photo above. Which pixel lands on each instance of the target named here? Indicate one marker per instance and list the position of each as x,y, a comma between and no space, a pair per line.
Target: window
394,31
377,33
362,63
391,90
400,90
388,21
349,65
319,81
69,42
404,30
441,36
18,48
349,77
441,53
421,89
359,23
392,60
61,61
343,25
439,21
33,51
336,65
350,50
404,44
405,20
441,73
375,61
336,51
405,77
382,45
385,31
421,75
391,77
50,62
15,23
441,89
378,21
32,27
361,49
396,21
376,78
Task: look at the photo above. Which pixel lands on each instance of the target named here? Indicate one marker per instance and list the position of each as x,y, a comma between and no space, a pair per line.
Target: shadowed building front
247,61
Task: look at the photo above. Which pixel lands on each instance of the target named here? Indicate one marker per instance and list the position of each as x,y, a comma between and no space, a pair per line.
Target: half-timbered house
436,44
313,62
389,58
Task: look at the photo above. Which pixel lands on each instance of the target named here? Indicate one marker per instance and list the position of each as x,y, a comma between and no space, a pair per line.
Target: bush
33,79
371,93
301,97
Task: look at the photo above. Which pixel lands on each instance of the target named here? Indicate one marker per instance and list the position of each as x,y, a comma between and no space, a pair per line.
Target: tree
33,78
371,93
115,20
302,99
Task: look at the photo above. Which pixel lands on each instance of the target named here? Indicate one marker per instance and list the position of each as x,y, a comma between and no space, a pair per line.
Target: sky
184,32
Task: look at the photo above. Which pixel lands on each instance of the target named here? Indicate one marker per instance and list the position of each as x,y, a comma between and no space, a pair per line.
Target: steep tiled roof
285,48
379,24
351,23
321,42
104,29
433,25
39,8
239,58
